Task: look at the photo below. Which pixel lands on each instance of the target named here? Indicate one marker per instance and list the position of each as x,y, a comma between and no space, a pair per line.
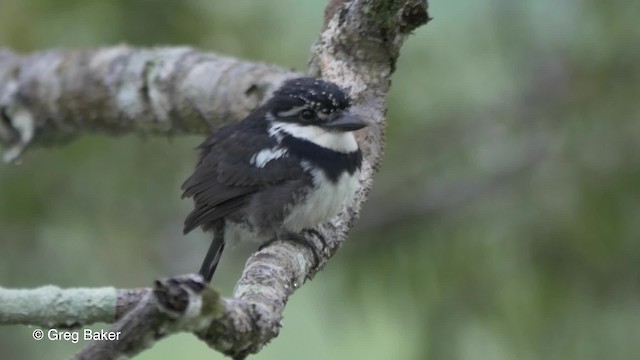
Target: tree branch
177,91
50,306
183,303
54,96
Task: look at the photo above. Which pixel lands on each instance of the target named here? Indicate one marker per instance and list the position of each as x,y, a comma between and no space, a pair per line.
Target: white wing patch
261,159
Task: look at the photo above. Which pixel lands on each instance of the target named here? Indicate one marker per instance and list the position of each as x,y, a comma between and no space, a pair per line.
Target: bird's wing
227,174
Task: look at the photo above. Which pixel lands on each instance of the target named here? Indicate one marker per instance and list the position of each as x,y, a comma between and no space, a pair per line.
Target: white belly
323,202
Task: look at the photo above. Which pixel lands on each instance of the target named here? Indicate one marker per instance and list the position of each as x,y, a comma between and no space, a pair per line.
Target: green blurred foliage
504,224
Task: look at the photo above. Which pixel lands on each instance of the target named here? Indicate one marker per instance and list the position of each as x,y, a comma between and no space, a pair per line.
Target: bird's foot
319,236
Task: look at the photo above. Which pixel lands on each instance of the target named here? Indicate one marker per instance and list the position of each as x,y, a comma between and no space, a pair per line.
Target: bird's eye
307,114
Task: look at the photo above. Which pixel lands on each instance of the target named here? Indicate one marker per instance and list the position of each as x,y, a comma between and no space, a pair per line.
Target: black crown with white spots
322,97
321,94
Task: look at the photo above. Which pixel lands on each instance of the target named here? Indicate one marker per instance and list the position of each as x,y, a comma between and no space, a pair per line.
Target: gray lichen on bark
50,306
126,90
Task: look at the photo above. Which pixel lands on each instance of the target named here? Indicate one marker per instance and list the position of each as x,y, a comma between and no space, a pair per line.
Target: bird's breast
322,202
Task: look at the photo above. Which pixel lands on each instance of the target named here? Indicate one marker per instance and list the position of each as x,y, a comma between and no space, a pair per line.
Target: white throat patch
343,142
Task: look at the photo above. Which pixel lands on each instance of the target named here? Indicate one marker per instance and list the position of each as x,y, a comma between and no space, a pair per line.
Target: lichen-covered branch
357,49
53,307
241,325
53,96
182,303
50,306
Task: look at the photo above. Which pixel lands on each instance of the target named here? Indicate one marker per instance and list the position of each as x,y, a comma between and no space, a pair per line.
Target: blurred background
504,223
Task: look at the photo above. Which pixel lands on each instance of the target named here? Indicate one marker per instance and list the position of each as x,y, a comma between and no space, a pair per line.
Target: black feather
210,262
333,163
226,186
224,179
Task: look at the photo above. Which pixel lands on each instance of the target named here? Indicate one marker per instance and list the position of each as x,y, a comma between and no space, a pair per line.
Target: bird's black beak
344,121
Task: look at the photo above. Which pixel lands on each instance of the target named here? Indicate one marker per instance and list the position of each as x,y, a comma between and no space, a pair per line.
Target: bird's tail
213,255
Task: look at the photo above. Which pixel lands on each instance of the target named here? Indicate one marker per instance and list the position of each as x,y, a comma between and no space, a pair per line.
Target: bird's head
308,102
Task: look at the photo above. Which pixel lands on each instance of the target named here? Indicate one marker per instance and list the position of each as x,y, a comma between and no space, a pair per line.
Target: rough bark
182,303
357,49
50,306
53,96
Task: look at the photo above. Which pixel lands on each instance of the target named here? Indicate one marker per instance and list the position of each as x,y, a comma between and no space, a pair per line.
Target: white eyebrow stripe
291,111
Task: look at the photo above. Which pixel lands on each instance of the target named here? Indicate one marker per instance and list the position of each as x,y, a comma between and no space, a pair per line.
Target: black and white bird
287,167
